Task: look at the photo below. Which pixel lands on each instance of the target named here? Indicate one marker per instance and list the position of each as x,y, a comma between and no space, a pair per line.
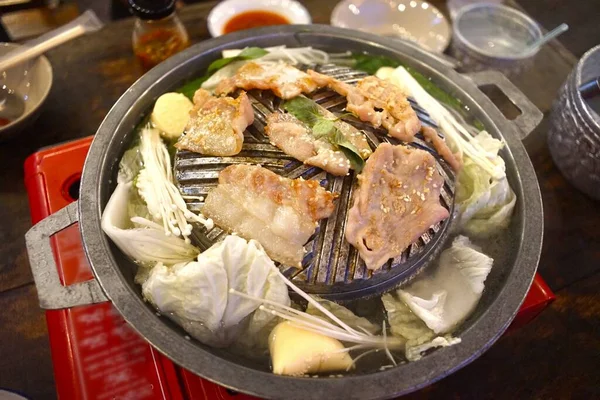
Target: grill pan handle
51,293
530,116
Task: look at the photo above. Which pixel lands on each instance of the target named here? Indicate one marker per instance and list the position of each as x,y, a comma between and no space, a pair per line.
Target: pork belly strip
296,139
216,126
376,101
280,213
284,80
441,147
372,100
397,200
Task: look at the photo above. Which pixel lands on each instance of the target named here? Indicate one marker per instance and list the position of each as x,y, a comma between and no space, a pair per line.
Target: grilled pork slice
283,79
442,148
396,202
278,212
376,101
216,126
296,139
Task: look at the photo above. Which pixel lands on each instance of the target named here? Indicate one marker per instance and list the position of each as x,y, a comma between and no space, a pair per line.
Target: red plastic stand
95,354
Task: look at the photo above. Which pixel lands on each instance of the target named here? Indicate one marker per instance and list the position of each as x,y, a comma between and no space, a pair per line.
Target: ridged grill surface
331,268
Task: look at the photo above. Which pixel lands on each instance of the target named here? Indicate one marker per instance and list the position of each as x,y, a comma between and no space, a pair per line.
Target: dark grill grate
332,267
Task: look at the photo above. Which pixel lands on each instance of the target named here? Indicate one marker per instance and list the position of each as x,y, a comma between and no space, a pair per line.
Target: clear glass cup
454,6
494,36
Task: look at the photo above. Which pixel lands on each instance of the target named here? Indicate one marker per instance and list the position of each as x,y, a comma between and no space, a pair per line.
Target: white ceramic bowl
292,10
31,81
413,20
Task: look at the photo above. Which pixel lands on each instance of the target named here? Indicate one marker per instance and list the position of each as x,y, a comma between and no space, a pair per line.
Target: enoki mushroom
335,329
155,183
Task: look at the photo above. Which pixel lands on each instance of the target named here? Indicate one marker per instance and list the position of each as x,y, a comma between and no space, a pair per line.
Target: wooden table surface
556,356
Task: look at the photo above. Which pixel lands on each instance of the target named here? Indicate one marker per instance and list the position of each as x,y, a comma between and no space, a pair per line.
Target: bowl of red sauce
236,15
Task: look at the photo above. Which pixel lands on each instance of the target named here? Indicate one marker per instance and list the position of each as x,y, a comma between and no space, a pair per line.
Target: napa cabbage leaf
197,294
448,296
485,203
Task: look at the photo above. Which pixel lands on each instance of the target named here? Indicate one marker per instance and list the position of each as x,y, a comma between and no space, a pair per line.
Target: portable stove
95,354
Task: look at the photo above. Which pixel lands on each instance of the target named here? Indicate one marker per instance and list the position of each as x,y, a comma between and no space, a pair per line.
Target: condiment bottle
158,33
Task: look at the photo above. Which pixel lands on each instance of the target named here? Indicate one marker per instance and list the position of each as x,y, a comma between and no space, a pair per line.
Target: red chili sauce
254,19
158,45
4,121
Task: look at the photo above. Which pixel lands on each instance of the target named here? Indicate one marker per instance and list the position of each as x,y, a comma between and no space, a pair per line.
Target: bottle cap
151,9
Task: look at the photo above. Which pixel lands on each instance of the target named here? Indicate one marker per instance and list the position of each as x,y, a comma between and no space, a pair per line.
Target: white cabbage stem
155,183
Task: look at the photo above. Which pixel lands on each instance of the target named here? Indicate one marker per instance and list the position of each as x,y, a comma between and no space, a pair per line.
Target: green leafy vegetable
129,170
136,206
130,165
447,297
370,63
323,127
405,324
435,91
144,240
190,88
349,150
304,109
308,112
442,96
249,53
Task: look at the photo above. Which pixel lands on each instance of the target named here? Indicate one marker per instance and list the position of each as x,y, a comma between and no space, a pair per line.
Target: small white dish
413,20
31,82
292,10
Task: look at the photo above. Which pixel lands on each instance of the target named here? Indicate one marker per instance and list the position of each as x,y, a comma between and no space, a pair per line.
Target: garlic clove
296,351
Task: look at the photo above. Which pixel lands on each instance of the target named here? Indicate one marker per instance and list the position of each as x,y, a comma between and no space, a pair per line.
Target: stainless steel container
574,135
494,36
